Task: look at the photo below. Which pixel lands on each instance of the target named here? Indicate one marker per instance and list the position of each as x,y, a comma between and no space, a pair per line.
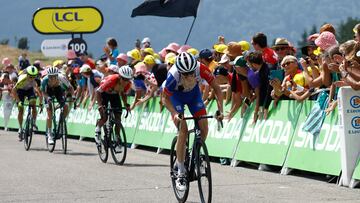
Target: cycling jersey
192,98
173,80
109,83
63,83
25,83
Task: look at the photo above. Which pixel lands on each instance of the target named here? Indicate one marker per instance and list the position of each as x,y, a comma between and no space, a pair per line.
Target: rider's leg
116,103
32,102
203,125
49,118
180,146
100,122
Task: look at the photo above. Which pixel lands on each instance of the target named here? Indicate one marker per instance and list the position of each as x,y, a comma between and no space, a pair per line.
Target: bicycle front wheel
203,172
102,147
181,196
118,146
27,132
63,135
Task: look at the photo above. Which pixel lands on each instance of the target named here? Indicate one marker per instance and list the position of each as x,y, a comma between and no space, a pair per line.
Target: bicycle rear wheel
203,172
63,135
27,132
118,146
103,149
181,196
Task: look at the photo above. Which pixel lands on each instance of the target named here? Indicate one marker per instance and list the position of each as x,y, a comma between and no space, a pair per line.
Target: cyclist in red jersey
109,90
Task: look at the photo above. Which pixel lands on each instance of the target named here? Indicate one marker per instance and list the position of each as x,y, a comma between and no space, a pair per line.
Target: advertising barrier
267,141
316,154
349,113
151,124
278,141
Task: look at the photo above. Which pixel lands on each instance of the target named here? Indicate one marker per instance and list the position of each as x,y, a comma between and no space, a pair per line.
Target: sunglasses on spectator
189,73
280,48
287,63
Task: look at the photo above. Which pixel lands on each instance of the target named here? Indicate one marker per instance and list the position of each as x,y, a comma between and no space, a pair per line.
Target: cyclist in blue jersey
182,87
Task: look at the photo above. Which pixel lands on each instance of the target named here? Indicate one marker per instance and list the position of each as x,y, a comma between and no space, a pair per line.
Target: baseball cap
205,54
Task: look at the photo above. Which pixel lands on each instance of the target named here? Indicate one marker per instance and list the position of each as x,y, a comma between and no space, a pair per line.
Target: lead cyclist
182,88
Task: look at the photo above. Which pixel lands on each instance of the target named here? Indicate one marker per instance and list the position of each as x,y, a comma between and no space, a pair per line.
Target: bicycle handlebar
181,116
118,110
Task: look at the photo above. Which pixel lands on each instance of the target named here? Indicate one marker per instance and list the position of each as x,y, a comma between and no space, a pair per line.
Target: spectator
357,32
206,58
6,85
23,61
245,45
146,43
84,57
282,48
259,42
122,59
219,51
93,78
263,90
134,57
111,50
193,51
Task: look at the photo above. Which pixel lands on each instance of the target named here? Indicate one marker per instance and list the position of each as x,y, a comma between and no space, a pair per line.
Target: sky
236,19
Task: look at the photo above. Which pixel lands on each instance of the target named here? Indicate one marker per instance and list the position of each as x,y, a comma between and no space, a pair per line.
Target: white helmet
186,62
53,71
126,72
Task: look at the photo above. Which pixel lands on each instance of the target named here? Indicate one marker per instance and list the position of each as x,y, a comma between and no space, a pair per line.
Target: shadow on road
145,165
38,149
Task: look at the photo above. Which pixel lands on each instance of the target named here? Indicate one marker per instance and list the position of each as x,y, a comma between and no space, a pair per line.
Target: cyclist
55,85
109,90
182,87
26,87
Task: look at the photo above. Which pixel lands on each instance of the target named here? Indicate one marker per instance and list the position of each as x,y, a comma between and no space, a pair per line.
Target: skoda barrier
278,141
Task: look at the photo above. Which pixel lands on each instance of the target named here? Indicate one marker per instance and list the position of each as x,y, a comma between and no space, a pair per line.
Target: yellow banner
67,20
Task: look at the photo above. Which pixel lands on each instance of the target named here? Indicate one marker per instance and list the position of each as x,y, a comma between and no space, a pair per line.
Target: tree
305,35
345,29
23,43
4,42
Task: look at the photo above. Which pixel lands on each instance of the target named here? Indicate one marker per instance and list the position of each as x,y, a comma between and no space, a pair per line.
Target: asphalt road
39,176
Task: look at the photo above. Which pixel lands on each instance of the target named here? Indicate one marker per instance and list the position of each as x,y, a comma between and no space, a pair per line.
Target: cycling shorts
192,99
30,94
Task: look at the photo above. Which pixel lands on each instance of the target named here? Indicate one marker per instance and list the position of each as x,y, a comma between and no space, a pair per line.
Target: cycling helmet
186,62
126,72
32,71
52,71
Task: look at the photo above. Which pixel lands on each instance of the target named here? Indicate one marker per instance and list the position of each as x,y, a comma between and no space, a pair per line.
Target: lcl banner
67,20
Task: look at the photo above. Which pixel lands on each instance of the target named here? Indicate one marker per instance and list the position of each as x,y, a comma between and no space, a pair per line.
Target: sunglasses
280,48
125,79
287,63
188,73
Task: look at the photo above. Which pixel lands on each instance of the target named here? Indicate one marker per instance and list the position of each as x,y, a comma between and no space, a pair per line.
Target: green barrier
267,142
223,142
130,123
356,174
151,124
316,154
271,142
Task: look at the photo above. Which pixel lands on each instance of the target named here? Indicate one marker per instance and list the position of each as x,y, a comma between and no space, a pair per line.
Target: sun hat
174,47
233,49
122,57
220,48
326,40
245,45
